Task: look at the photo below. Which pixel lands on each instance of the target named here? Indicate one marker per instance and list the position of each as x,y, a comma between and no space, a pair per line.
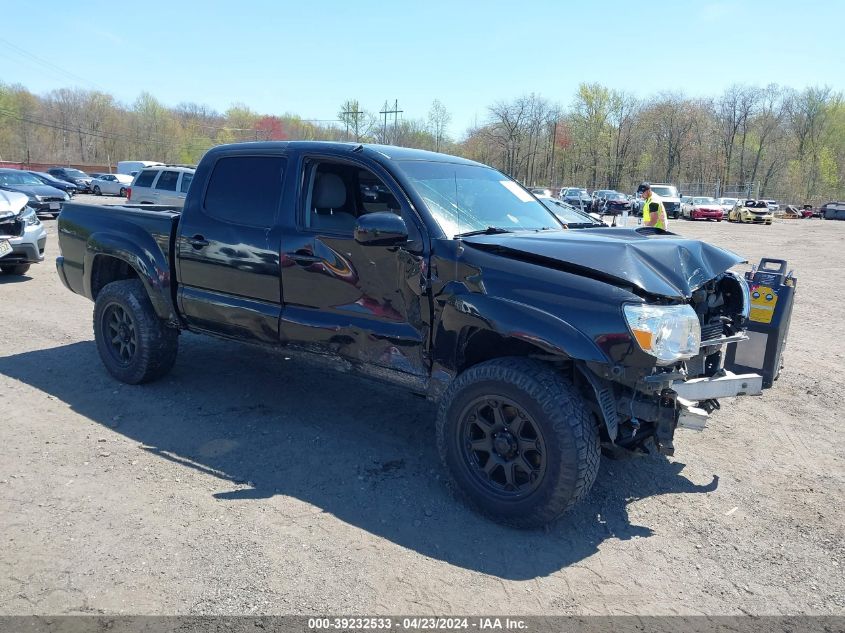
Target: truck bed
86,229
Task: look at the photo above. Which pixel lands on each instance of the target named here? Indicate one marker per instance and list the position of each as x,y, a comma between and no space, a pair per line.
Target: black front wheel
134,344
518,440
15,269
97,191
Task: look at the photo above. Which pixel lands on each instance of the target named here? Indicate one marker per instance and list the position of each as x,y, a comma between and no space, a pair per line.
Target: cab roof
378,152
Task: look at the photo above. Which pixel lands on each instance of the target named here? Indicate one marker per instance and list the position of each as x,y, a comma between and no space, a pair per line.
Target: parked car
42,198
597,199
111,184
669,196
727,204
541,191
569,216
75,176
773,205
615,203
703,208
577,197
540,344
751,212
94,175
833,211
809,211
166,184
62,185
22,236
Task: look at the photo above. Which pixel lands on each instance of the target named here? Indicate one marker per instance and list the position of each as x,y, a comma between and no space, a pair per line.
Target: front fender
144,255
512,320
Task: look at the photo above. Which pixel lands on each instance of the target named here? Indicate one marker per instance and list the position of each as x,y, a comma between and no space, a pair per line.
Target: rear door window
145,178
168,180
245,189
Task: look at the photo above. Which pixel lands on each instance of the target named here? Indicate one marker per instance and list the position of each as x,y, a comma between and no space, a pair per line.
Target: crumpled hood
664,265
11,203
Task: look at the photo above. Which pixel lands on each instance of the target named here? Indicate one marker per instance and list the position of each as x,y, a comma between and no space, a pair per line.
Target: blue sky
308,57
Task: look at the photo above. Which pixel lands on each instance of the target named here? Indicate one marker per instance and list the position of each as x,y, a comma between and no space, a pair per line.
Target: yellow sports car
751,212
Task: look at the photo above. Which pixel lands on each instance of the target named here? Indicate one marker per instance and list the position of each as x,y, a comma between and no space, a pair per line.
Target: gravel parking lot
246,483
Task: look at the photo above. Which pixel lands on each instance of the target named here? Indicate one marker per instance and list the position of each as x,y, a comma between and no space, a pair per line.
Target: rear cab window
245,189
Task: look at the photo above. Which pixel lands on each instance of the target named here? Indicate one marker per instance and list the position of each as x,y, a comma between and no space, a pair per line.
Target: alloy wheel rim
120,332
502,446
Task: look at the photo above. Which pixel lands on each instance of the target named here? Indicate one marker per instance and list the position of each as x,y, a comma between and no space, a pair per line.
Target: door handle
304,258
198,242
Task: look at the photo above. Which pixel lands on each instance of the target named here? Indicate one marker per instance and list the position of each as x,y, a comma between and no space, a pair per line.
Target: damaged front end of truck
673,308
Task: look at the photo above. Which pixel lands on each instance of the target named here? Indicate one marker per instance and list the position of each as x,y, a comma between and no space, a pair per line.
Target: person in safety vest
653,212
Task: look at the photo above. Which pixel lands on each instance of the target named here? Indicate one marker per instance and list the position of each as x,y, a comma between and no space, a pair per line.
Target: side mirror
381,229
653,207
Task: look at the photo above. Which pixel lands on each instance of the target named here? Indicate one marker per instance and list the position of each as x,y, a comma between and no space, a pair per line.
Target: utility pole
395,112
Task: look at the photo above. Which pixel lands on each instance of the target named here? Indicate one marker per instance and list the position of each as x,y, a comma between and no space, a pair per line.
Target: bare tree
438,123
356,120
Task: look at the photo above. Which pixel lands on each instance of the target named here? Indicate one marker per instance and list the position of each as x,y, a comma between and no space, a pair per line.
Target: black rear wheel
134,344
518,440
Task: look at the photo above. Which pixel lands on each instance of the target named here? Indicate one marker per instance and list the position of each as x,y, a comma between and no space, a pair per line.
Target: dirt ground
243,483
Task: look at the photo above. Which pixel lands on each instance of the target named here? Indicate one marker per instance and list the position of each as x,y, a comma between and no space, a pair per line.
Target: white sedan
111,184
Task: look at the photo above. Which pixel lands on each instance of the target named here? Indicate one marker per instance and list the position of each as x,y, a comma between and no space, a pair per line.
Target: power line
45,65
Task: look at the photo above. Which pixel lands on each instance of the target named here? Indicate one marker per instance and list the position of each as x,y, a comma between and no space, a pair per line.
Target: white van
132,167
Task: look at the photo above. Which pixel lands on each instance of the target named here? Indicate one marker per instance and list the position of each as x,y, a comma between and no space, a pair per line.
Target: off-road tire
156,344
569,431
15,269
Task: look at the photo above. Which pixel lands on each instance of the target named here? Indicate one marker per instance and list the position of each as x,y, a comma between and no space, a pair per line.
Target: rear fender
146,258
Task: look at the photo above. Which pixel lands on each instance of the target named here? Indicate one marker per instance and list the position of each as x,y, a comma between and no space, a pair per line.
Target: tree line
770,141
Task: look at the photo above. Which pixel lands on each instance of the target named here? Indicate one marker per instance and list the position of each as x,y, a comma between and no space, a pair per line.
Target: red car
702,208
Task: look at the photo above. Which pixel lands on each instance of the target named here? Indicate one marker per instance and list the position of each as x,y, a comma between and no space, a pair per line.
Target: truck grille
712,331
670,206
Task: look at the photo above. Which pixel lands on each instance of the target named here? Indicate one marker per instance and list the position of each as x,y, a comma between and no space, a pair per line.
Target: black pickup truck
543,339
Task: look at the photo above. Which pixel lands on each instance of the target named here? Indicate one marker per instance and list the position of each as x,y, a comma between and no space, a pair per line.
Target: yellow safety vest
661,214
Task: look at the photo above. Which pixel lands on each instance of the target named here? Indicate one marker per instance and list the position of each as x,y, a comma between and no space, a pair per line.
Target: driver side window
337,194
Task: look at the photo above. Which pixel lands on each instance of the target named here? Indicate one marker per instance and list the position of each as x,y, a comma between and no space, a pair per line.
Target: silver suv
162,184
22,236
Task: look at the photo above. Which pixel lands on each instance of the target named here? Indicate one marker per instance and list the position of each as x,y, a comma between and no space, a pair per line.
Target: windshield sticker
516,190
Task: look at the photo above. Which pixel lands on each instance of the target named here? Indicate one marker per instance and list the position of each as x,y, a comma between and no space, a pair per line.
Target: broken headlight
669,333
29,217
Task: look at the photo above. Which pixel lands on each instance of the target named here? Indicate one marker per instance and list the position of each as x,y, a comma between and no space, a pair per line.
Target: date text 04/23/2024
416,623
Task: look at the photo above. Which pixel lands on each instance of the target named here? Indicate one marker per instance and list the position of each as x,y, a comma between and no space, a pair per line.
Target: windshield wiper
490,230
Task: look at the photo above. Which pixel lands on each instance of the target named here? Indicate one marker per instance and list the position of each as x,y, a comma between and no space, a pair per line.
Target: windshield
8,178
664,192
616,196
703,201
464,198
568,214
75,173
728,201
